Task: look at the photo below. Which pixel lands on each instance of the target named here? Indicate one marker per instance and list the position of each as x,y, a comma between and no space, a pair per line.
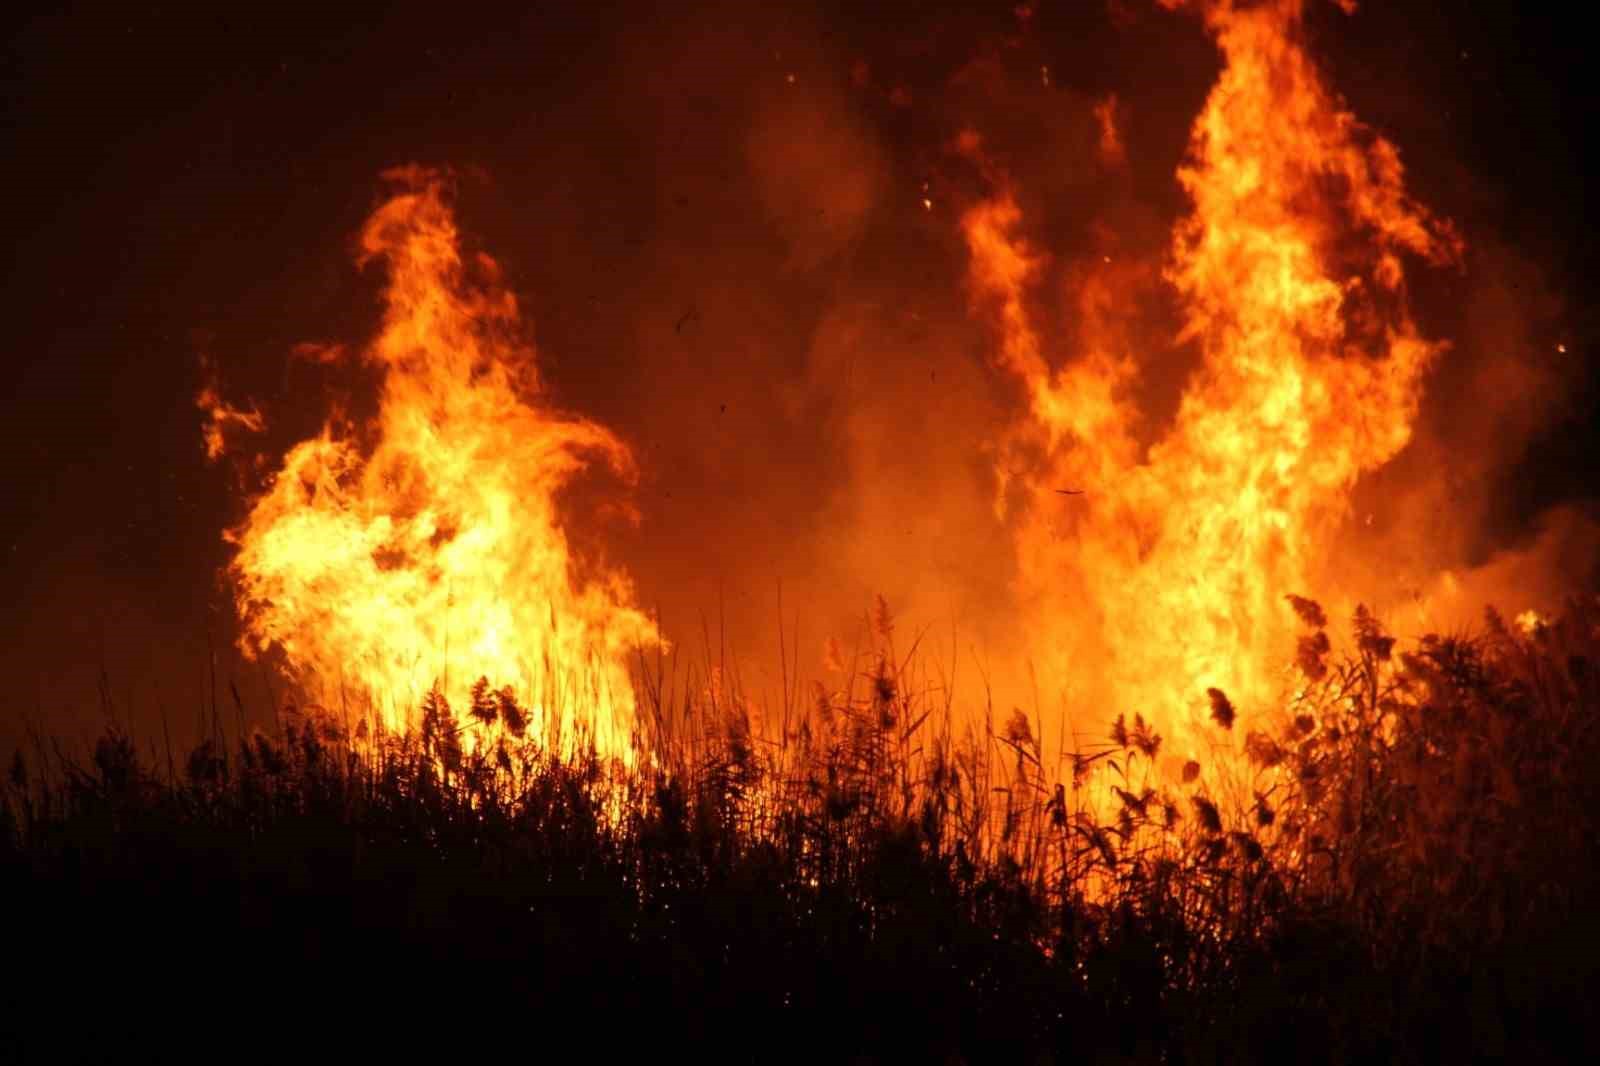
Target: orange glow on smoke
427,548
1153,549
1164,572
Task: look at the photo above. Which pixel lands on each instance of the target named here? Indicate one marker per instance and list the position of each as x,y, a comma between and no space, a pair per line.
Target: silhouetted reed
880,874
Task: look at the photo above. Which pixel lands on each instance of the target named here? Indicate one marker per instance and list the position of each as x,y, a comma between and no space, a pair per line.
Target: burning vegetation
1235,826
419,560
1391,875
1169,572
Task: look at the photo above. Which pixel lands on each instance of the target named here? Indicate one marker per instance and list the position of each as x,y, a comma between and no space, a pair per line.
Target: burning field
1012,565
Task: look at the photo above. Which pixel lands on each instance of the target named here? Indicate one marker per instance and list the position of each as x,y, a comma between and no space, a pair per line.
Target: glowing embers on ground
1167,576
425,550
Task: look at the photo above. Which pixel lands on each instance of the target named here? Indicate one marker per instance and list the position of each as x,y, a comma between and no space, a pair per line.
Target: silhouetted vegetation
1398,869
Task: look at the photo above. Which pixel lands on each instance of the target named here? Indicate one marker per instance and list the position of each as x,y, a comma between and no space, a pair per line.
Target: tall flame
1167,575
427,550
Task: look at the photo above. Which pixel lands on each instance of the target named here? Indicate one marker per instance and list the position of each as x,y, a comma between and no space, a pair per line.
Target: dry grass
1397,872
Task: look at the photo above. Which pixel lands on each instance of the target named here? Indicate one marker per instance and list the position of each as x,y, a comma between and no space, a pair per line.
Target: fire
1166,576
222,417
426,549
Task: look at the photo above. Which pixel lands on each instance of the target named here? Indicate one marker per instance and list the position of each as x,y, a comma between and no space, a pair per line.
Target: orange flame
222,417
427,549
1167,575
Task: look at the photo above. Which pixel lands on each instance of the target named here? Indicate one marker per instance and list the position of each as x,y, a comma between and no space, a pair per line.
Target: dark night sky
184,183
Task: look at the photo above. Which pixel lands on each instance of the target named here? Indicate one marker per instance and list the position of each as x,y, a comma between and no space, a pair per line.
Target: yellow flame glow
426,549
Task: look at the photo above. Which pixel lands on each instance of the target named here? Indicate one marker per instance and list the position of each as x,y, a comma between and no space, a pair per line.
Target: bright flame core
1167,575
426,550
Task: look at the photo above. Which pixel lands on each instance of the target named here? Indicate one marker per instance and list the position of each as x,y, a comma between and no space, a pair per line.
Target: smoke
772,308
735,231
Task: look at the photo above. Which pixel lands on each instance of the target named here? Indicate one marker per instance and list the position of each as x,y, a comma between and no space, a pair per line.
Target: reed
1398,870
